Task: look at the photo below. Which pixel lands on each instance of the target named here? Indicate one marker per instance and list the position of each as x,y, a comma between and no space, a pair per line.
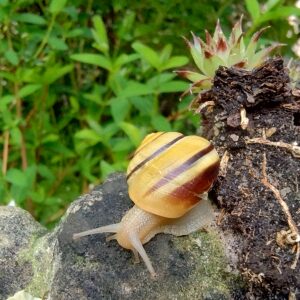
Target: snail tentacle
137,246
136,256
108,228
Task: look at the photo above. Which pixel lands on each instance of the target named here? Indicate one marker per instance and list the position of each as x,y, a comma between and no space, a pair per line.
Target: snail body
167,177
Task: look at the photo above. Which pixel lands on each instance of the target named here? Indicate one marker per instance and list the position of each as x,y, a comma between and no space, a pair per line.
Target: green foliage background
82,82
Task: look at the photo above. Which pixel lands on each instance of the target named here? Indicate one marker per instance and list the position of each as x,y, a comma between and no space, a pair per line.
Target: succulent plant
220,51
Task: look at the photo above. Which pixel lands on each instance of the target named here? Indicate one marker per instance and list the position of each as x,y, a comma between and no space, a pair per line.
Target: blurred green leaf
173,86
57,43
94,59
278,13
16,177
29,18
12,57
132,131
56,6
55,72
148,54
271,3
106,168
88,135
135,89
29,89
119,108
46,172
100,34
175,62
253,8
166,53
124,59
160,123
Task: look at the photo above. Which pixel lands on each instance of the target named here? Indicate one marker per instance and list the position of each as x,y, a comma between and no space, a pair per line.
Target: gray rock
18,231
56,267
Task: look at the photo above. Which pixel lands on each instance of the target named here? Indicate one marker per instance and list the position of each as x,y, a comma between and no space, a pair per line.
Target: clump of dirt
254,125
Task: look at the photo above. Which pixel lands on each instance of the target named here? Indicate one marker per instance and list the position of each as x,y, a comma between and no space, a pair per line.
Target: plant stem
46,37
5,152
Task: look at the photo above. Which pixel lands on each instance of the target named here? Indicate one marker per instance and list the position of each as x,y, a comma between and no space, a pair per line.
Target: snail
167,177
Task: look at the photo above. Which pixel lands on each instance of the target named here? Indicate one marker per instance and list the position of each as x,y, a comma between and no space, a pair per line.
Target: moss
40,255
210,274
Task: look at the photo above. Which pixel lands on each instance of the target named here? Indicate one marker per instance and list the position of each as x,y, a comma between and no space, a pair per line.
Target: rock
18,231
191,267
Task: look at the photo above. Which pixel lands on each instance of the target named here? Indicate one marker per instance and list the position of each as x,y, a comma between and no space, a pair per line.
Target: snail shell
169,171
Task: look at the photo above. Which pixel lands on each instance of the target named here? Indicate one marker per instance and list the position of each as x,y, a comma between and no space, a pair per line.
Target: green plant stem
46,37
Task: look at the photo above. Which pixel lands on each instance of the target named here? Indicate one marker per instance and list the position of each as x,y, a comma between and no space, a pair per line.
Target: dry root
204,105
292,236
294,149
253,277
224,164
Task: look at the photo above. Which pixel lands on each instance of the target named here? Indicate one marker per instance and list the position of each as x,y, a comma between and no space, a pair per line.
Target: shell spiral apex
169,171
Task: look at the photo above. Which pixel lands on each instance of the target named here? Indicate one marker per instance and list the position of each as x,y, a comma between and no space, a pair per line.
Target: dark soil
249,209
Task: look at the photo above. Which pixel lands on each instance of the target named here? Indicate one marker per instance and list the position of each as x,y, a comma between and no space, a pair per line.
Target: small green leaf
144,104
57,43
55,72
86,138
16,136
93,59
271,3
157,80
160,123
50,138
7,76
278,13
119,108
45,172
30,174
134,88
12,57
253,8
29,18
166,53
4,101
124,59
29,89
106,168
174,62
56,6
100,35
133,132
173,86
88,135
16,177
147,54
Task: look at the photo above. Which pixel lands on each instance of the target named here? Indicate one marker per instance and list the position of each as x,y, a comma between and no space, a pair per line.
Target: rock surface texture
50,265
17,230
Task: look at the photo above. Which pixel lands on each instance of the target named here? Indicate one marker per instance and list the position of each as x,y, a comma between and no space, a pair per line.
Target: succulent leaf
218,51
192,76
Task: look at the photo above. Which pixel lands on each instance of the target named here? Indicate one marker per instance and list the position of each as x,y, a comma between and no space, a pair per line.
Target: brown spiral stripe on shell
170,171
180,169
190,190
153,155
